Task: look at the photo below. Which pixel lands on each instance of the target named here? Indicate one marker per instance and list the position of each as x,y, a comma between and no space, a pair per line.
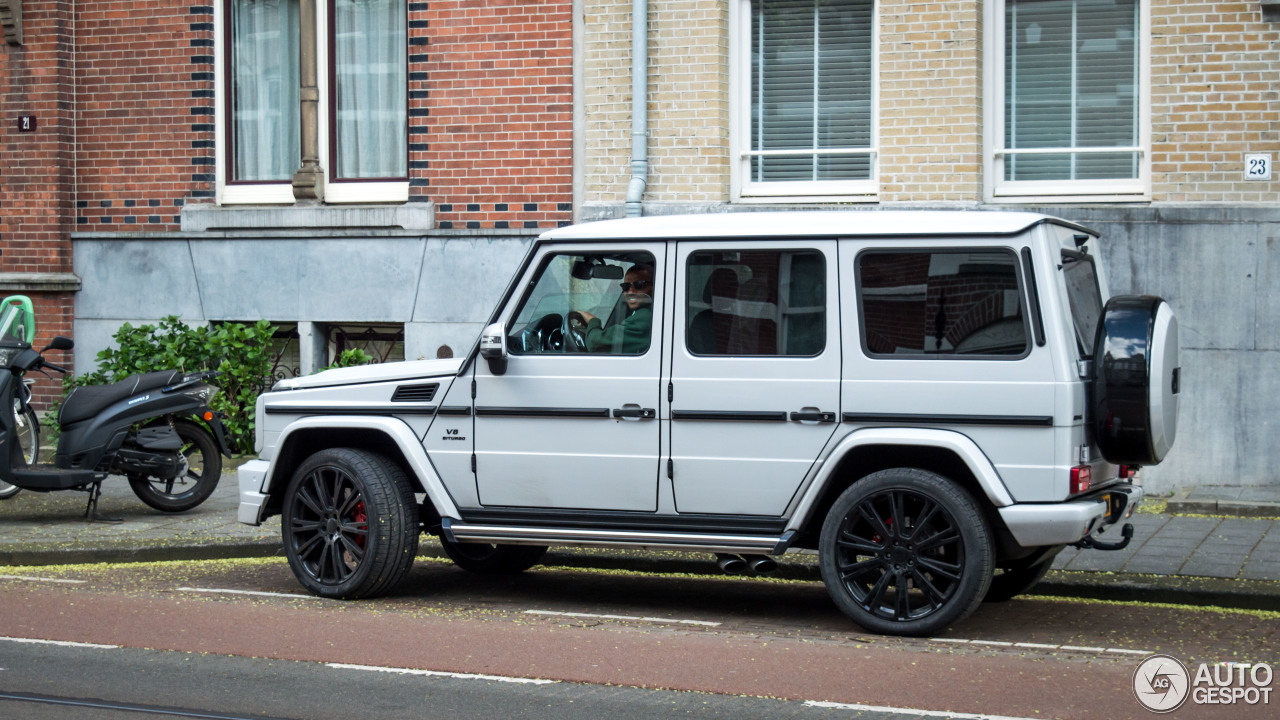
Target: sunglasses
638,285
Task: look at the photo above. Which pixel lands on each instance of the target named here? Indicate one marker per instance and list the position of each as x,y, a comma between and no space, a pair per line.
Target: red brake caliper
361,517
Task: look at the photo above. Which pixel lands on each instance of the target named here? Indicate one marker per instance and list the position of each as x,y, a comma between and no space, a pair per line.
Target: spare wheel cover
1136,380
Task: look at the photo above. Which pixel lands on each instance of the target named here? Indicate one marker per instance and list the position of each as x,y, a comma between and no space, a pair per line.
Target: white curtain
370,44
811,88
264,99
1071,81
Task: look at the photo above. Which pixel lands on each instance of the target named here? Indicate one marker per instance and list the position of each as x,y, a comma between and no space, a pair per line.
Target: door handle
813,416
634,412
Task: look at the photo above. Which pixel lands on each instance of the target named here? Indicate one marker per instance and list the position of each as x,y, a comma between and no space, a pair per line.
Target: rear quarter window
941,304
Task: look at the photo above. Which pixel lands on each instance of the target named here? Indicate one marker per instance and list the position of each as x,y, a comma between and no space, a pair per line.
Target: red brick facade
123,96
495,79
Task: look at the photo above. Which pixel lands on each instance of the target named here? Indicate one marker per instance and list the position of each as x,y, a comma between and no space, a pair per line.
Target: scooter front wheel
202,467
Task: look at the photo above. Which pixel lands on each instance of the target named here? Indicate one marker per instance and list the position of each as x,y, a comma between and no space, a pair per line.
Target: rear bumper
250,476
1033,525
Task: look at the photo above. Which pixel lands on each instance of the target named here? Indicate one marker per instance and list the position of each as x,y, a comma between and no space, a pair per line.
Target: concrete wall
441,286
1218,267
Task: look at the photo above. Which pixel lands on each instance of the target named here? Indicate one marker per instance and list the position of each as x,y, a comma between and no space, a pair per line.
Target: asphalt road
239,638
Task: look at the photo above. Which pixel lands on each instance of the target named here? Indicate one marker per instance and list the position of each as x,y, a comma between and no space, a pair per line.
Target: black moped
156,429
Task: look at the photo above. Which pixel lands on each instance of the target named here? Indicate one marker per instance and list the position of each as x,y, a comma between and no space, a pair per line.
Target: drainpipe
639,107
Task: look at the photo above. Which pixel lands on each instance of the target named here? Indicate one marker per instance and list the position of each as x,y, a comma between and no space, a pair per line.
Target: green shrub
240,353
350,357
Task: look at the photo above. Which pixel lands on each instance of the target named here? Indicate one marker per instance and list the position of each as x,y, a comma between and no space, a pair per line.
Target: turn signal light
207,416
1081,479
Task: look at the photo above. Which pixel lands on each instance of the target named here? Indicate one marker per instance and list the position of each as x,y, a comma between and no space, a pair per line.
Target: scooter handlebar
46,364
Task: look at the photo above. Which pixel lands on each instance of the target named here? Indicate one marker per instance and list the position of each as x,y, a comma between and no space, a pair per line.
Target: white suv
934,402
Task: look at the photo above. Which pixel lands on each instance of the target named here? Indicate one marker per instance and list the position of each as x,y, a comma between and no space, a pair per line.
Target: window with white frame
1071,108
362,62
805,89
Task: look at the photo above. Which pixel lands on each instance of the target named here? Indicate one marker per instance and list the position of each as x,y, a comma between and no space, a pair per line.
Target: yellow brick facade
1215,95
1214,89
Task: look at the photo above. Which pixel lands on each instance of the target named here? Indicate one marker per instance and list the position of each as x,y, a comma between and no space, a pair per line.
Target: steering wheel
575,332
544,335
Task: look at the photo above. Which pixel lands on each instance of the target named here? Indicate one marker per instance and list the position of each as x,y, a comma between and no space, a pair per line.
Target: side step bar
457,531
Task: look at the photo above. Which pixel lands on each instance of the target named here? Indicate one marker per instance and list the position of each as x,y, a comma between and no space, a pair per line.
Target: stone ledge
39,282
409,216
1221,501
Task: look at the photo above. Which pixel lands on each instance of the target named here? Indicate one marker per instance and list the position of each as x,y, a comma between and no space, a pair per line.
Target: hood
377,372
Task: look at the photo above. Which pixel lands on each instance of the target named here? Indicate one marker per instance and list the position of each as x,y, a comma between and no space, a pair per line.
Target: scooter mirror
60,343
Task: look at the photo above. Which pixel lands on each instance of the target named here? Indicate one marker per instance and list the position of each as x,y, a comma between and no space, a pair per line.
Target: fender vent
415,393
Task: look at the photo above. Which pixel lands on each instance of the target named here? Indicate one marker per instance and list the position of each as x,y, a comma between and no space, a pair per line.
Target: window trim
280,192
741,187
996,189
1016,263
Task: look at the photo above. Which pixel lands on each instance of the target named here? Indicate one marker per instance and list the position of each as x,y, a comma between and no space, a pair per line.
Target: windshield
17,320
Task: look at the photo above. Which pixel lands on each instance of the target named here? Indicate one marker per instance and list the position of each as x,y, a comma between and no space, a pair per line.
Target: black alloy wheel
905,552
350,524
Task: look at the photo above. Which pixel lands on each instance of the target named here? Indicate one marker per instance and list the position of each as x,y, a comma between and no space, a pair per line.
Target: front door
755,372
572,422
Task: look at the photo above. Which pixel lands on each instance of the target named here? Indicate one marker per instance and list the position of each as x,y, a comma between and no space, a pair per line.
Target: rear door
754,388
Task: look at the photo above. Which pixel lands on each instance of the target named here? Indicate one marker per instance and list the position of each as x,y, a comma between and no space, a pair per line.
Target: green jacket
629,337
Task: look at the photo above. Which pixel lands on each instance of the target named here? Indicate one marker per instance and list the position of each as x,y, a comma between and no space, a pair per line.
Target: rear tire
195,483
1012,582
350,524
905,552
486,559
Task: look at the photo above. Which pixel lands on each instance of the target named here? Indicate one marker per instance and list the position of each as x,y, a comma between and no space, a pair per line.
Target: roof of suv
809,224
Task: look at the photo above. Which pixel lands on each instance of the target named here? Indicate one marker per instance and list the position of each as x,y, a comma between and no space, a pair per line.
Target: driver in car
630,336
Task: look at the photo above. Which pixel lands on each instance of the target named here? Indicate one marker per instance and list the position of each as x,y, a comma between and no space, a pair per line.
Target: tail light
1128,472
1081,479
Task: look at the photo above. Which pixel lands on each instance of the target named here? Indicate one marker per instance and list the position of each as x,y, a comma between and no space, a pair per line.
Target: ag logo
1161,683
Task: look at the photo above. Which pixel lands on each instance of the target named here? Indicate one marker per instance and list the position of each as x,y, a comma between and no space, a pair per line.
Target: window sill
406,216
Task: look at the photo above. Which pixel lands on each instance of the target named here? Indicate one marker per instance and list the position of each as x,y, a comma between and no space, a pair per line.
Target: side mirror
60,343
493,348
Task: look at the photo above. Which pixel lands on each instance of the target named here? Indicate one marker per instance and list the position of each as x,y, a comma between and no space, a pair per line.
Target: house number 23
1257,167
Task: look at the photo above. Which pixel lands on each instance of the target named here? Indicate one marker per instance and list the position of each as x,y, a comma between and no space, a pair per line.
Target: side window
756,302
941,304
593,303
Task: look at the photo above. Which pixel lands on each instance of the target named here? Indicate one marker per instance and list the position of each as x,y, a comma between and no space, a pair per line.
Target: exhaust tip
731,564
760,564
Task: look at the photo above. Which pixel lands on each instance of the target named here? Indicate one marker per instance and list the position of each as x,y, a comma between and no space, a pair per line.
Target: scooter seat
86,401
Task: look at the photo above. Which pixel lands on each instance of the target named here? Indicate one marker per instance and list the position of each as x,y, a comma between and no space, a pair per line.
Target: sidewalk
1185,558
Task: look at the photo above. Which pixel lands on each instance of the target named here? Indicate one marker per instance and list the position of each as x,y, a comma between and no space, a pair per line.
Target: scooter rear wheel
192,486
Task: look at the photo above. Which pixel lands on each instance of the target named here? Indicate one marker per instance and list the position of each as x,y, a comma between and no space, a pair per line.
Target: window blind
1071,82
811,90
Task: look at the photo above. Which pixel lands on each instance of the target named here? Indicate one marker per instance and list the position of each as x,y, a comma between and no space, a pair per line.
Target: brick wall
688,101
1214,97
930,100
144,102
491,87
36,181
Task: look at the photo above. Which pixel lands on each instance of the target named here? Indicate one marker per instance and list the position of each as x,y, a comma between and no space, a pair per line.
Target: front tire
486,559
350,524
905,552
195,483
